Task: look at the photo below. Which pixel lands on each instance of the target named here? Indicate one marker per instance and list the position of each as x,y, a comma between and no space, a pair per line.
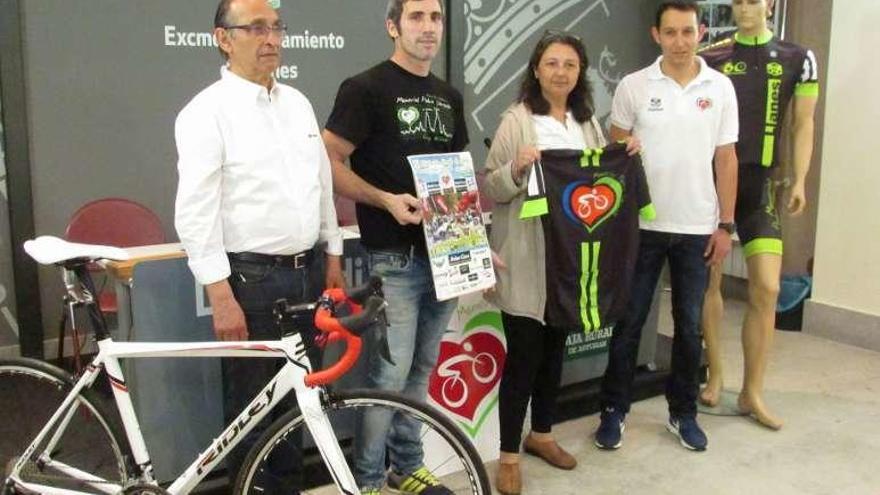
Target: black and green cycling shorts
757,214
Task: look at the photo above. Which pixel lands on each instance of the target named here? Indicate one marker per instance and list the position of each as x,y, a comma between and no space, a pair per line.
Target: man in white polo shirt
685,115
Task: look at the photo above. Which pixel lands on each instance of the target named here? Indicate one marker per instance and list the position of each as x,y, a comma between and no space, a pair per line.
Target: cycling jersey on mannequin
766,72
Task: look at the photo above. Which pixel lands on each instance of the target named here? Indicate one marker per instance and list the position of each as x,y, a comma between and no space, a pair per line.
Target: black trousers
256,286
532,371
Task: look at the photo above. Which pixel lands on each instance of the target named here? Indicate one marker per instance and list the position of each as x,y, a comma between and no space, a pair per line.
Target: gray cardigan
521,289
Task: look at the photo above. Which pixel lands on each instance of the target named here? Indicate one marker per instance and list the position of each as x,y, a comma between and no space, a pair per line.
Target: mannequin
746,57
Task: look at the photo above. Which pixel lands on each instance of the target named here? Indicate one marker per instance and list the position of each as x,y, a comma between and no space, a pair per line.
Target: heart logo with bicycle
465,381
591,204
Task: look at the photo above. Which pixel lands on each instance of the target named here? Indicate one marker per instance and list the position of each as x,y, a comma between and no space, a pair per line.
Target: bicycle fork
325,439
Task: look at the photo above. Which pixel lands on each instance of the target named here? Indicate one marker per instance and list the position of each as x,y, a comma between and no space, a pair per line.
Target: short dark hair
395,10
580,100
221,19
680,5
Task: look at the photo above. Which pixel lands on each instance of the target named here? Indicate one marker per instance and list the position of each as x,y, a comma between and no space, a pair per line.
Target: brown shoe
550,452
508,481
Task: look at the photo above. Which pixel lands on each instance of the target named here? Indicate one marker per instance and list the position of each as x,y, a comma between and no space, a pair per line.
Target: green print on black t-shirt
426,118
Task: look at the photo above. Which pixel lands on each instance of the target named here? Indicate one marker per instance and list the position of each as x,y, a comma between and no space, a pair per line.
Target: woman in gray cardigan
554,110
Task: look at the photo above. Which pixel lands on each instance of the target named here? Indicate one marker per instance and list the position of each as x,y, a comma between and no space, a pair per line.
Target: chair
115,222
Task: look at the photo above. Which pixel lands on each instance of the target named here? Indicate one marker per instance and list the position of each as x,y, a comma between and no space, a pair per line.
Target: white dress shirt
254,176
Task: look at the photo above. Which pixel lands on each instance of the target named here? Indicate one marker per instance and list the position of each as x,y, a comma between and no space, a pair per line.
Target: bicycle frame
290,377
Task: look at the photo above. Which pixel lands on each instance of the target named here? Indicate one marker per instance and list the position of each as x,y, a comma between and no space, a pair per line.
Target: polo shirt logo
704,103
656,105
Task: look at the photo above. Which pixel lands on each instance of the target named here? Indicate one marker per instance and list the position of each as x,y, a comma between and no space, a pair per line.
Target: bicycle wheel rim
451,455
89,443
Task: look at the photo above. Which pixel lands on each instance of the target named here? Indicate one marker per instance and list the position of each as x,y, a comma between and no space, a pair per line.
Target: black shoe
688,432
609,436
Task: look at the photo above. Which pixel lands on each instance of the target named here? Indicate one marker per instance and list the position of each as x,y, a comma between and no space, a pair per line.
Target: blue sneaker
609,436
688,432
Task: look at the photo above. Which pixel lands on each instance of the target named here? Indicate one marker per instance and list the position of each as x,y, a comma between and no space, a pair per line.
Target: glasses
258,29
559,34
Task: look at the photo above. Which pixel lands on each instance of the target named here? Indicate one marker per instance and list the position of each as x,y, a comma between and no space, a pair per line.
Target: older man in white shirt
254,198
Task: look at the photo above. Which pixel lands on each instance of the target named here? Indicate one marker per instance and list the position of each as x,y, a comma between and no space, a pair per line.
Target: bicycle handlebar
366,304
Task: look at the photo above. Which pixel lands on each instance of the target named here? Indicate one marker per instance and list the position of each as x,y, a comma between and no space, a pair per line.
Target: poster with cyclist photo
452,220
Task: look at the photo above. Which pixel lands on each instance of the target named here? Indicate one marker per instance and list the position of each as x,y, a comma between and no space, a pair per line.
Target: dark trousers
256,286
532,370
689,276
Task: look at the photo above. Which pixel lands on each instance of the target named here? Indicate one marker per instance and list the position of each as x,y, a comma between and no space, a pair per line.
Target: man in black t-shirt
395,109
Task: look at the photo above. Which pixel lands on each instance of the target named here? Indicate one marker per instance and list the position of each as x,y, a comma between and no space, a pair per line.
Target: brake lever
384,350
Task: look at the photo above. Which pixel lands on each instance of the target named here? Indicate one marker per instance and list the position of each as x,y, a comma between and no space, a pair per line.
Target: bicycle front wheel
89,442
448,453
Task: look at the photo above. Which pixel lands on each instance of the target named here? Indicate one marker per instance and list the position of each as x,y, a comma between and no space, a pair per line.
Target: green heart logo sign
408,115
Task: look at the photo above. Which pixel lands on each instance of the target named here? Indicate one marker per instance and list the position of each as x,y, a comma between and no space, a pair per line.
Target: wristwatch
728,227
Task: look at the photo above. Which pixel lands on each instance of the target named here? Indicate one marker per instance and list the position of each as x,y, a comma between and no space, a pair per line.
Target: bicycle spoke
448,453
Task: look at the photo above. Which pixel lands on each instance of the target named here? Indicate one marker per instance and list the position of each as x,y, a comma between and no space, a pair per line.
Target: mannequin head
751,15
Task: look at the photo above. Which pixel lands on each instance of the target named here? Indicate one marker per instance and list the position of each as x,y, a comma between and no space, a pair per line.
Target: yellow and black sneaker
419,482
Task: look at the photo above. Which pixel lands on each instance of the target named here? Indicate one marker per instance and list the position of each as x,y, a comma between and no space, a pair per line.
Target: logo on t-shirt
704,103
592,204
656,105
734,68
774,69
408,115
426,118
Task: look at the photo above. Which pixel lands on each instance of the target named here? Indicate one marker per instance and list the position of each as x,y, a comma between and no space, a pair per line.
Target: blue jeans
689,276
256,287
416,323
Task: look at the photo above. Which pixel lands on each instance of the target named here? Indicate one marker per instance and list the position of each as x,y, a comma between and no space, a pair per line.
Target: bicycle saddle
49,250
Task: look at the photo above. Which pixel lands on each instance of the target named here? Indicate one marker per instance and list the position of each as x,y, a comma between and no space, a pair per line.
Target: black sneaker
609,436
688,432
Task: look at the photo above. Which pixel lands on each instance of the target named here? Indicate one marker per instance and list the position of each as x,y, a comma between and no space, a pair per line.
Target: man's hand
523,162
717,247
229,322
797,200
334,278
405,208
633,145
497,261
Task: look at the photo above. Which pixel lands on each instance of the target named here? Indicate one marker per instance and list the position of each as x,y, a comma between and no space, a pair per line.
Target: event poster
461,261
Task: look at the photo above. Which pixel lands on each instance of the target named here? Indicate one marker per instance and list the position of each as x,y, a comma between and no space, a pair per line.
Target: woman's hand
633,145
523,162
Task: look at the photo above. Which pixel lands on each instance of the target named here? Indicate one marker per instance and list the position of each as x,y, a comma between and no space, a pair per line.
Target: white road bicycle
59,435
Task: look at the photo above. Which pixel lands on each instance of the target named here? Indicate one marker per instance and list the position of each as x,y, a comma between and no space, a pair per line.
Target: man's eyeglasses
258,29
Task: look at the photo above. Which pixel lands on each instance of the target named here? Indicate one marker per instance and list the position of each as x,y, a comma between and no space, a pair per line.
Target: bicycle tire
471,480
31,391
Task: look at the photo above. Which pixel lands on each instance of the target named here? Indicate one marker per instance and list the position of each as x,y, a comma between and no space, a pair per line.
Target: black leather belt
296,261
